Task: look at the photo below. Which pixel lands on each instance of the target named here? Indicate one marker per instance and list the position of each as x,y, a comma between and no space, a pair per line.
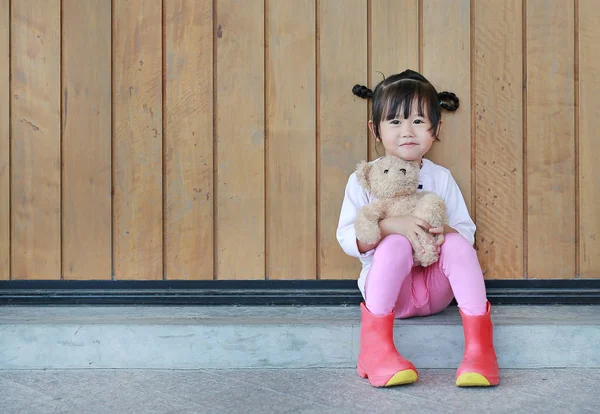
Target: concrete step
279,337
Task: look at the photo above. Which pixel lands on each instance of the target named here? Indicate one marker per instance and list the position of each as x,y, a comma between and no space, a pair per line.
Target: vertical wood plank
446,64
498,80
240,140
589,147
189,139
343,34
550,140
291,118
137,141
395,45
35,186
86,120
4,140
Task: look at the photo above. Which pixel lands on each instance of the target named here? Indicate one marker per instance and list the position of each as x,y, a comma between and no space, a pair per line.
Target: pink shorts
425,291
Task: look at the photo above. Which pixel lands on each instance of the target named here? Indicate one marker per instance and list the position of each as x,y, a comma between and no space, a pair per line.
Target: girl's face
407,138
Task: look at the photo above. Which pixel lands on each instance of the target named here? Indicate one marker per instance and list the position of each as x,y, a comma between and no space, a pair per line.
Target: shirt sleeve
458,215
354,198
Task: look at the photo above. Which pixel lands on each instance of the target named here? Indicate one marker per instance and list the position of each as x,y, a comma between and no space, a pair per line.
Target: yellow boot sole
408,376
472,379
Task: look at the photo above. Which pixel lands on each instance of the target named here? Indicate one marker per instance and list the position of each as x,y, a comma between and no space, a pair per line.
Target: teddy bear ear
362,174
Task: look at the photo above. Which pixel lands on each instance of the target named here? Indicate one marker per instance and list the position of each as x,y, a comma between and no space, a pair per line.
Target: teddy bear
393,183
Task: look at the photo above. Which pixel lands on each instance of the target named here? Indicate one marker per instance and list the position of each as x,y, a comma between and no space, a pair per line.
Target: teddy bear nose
403,171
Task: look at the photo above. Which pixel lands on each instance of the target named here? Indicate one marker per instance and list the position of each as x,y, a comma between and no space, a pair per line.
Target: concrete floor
290,391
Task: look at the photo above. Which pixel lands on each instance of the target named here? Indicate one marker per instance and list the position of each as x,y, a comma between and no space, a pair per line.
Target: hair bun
362,91
448,101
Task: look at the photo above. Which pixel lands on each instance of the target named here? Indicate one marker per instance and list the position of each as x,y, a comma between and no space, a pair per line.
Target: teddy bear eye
385,171
403,171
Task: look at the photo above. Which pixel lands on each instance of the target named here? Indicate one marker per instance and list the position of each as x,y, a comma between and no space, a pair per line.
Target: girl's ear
372,129
439,129
362,174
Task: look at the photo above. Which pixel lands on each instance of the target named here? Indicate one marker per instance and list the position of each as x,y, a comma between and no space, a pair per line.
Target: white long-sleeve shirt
432,177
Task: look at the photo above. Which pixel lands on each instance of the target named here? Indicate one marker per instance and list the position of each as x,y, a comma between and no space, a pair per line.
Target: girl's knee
457,242
394,243
393,248
457,246
456,238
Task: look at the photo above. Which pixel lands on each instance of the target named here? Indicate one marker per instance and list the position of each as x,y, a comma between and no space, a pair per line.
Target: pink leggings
393,284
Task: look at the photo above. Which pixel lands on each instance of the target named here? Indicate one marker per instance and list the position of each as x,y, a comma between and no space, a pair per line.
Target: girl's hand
439,240
439,233
408,226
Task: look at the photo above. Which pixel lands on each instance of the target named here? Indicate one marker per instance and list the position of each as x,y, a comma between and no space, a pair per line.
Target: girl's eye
395,122
419,121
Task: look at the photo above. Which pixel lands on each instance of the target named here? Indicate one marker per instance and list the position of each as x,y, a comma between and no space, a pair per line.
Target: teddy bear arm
367,223
431,208
427,255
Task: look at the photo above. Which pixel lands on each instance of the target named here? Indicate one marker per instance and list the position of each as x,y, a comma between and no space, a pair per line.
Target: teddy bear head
389,176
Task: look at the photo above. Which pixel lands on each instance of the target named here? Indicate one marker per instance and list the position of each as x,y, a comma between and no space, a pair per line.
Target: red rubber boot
479,367
378,359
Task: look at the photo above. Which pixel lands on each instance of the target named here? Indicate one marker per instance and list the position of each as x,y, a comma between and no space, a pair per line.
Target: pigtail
448,101
362,92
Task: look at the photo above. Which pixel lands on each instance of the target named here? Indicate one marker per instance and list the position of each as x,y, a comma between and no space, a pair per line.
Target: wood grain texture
35,157
498,106
86,120
291,159
240,148
342,120
550,140
4,140
189,140
394,45
284,133
446,64
589,147
137,141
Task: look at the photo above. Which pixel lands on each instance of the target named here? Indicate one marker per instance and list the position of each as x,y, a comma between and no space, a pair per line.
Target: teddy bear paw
370,236
427,259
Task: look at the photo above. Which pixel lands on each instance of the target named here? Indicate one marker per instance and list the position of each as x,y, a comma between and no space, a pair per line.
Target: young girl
407,120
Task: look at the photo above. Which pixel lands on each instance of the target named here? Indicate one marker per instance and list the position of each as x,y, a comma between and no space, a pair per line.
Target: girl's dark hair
399,92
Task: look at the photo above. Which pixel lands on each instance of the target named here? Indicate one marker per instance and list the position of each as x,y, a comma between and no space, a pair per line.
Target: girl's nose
407,131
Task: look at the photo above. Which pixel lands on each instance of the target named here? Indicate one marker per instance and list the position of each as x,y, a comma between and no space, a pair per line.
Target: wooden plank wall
86,140
35,130
587,147
212,139
4,139
239,94
498,136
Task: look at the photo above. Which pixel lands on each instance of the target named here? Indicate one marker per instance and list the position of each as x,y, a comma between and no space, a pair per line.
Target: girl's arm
355,197
411,227
445,229
459,220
